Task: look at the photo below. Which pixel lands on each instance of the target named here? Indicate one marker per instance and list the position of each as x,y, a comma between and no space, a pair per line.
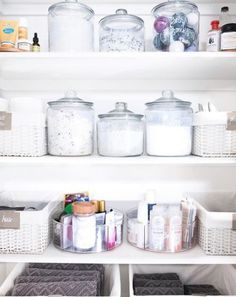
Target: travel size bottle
213,39
35,45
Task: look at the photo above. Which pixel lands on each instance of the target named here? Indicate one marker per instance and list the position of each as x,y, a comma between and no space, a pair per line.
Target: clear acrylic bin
107,238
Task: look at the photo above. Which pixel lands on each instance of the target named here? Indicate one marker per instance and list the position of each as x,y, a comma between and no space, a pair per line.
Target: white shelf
108,161
117,71
125,254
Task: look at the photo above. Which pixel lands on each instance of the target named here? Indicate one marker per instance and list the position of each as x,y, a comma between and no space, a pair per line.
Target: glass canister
70,126
121,32
176,26
169,126
120,132
71,27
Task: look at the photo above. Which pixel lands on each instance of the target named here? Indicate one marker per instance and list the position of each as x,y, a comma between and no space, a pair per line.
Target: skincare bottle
142,225
35,45
118,222
213,39
157,234
150,198
174,229
23,42
110,230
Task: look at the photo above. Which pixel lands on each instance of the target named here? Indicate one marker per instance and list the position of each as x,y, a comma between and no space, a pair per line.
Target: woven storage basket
35,230
212,136
217,222
26,137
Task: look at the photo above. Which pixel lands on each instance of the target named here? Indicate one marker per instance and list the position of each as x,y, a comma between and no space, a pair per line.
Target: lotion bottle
157,229
142,225
174,229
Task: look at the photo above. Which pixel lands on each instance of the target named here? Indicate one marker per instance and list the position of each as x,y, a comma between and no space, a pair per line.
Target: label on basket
5,120
231,121
9,220
234,222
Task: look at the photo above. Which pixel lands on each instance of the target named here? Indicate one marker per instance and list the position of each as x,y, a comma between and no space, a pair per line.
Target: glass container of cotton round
176,26
121,32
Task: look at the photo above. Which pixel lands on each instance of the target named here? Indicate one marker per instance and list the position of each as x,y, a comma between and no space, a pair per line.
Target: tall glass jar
176,26
120,132
70,126
70,26
169,126
121,32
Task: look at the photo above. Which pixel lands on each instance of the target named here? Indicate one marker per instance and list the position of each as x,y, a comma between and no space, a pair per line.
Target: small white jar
120,132
84,226
70,127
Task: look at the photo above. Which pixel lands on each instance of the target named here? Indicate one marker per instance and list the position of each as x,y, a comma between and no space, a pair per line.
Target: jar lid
228,28
121,20
71,7
172,5
70,99
168,100
83,208
121,111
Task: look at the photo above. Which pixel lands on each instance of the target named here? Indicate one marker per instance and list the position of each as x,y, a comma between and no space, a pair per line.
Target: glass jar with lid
120,132
71,27
176,26
169,126
121,32
70,126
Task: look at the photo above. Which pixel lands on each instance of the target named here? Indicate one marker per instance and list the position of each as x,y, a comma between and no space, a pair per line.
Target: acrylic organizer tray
138,235
107,237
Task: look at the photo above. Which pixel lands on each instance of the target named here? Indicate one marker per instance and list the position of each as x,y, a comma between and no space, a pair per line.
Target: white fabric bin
222,277
112,285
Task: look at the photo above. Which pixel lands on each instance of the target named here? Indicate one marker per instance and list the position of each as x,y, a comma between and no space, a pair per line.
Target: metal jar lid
121,112
121,20
174,5
70,99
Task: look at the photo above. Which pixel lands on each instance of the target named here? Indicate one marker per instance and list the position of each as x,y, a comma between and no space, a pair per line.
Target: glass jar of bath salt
169,126
120,132
176,26
121,32
71,27
84,226
70,126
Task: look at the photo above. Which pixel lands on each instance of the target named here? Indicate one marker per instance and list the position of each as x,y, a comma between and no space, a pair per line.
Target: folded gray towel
202,290
156,283
157,276
158,291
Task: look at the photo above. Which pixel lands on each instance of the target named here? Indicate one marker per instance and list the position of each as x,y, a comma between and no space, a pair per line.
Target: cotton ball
176,46
192,19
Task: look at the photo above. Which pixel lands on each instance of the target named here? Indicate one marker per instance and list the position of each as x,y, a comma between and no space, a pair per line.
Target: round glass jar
169,126
176,26
70,126
120,132
70,26
121,32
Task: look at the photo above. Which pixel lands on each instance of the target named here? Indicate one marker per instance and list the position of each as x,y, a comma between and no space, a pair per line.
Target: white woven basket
27,136
211,137
217,222
34,233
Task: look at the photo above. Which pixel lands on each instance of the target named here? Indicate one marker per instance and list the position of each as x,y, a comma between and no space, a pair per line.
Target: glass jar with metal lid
176,26
70,126
120,132
71,27
169,126
121,32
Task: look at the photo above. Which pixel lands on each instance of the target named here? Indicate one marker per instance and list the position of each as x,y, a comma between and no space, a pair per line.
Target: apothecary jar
70,126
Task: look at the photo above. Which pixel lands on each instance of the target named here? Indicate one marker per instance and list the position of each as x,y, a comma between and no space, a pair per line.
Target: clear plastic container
70,126
121,32
71,27
169,126
120,132
176,26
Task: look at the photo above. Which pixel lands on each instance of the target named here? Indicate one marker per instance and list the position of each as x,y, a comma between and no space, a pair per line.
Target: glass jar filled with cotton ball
176,26
121,32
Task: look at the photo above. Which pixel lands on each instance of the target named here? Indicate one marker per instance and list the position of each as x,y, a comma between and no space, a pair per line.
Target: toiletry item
174,229
150,198
23,42
110,230
100,211
84,225
142,225
35,45
118,221
228,37
67,235
157,235
213,38
225,17
132,230
8,33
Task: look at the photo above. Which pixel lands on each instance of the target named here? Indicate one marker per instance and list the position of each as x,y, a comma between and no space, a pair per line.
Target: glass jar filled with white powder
70,126
70,27
121,32
120,132
169,126
84,226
